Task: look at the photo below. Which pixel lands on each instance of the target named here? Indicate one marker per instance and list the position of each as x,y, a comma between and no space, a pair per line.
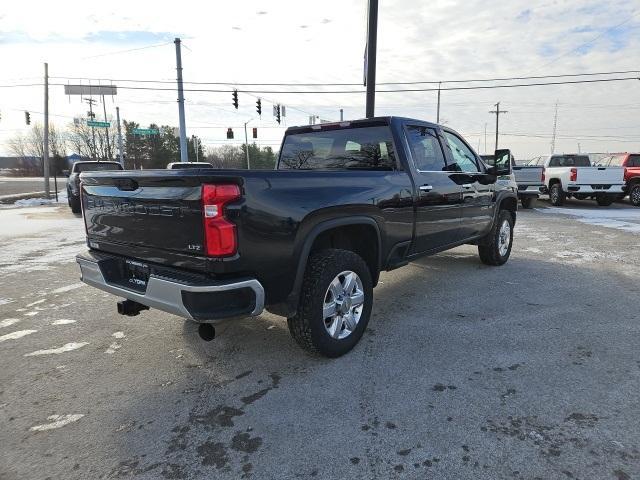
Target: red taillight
542,175
219,233
574,175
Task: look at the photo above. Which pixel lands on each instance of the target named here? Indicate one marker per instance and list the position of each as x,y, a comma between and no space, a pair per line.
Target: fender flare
292,300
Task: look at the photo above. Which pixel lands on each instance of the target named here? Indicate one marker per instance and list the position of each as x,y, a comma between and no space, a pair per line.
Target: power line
117,52
399,90
328,84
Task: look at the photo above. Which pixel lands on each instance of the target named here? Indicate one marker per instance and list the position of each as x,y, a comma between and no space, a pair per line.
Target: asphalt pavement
526,371
20,185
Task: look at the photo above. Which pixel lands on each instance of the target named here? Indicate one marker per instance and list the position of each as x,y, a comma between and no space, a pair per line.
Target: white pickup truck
572,175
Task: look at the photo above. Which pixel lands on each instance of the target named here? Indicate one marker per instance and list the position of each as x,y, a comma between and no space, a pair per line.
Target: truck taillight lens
542,175
219,233
574,175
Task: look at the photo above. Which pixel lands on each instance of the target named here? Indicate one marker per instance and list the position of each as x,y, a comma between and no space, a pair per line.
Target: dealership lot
530,370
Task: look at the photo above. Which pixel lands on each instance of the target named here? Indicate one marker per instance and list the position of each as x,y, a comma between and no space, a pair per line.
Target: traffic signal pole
120,155
45,147
183,129
246,144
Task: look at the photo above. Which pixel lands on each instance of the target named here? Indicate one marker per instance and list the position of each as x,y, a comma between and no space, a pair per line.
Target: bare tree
31,145
81,139
226,156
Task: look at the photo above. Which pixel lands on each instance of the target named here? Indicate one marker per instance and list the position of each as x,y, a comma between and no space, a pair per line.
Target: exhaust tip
207,332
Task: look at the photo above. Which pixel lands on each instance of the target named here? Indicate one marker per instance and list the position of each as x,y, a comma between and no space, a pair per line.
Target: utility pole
183,128
579,148
555,126
45,160
120,155
106,129
246,144
497,111
372,40
438,111
341,115
91,101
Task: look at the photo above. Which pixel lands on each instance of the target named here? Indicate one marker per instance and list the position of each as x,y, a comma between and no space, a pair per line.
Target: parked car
529,181
73,181
631,164
183,165
572,175
306,241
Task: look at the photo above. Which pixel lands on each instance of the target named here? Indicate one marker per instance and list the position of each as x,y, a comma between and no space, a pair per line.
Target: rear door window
363,148
570,161
426,150
634,161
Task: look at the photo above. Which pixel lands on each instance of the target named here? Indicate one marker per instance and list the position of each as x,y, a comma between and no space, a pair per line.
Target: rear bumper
594,189
530,190
186,295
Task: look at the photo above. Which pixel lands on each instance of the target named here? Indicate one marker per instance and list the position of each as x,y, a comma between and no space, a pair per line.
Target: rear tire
526,202
74,203
332,335
497,245
604,200
634,195
557,195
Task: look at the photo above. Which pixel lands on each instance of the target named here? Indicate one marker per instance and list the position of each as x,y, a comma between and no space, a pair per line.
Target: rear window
96,167
569,161
184,165
364,148
634,161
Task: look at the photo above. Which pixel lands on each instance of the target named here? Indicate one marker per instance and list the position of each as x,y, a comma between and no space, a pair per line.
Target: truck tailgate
527,175
600,175
154,210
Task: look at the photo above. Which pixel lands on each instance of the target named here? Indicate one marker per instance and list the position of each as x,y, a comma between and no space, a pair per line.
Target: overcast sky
323,42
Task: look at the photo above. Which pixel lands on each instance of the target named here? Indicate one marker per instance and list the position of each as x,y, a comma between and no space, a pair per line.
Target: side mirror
65,173
501,162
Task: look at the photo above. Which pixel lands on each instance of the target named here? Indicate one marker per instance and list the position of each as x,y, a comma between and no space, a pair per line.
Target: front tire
74,203
526,202
556,195
604,200
634,195
497,246
335,303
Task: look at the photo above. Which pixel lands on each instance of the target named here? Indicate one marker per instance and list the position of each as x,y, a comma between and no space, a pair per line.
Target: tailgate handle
601,168
126,184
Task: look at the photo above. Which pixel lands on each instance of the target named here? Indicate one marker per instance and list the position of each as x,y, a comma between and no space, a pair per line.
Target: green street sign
145,131
93,123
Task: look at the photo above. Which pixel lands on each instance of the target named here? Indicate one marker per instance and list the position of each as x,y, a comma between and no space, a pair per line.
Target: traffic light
229,133
255,132
259,107
276,111
235,99
27,118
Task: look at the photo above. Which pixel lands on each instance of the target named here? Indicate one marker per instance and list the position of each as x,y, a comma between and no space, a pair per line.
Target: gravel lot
530,370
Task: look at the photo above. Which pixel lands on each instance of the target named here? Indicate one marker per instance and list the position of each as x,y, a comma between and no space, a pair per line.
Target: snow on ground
627,219
33,238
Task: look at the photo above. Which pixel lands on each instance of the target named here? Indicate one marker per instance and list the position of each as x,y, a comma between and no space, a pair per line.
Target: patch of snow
112,348
57,421
4,301
118,335
68,288
7,322
31,314
63,321
16,335
625,219
56,351
36,302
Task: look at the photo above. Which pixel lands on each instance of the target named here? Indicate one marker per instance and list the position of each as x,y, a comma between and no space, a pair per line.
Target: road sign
145,131
89,90
93,123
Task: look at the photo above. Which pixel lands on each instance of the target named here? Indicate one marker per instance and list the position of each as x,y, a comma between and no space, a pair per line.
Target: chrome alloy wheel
504,238
635,196
343,305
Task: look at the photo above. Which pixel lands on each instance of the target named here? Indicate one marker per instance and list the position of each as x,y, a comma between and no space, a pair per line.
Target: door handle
467,186
426,188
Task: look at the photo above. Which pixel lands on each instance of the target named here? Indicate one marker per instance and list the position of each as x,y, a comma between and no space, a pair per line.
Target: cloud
130,37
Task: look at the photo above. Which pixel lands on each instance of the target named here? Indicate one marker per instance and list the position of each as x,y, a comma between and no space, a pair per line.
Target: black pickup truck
307,240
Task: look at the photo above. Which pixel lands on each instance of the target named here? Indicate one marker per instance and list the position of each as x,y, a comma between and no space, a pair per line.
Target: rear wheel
335,303
556,195
634,195
496,248
526,202
605,200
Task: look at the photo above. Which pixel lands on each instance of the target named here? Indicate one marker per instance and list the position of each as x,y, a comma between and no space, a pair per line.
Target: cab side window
464,159
425,149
